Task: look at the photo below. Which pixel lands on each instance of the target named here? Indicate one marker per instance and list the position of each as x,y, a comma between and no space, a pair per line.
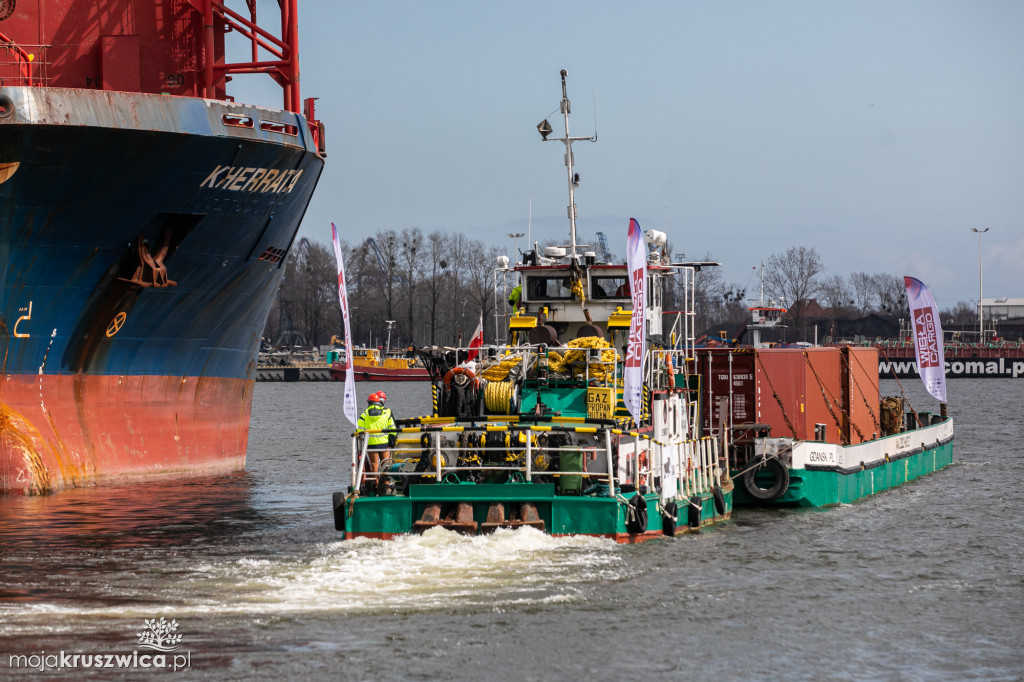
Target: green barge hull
821,474
601,516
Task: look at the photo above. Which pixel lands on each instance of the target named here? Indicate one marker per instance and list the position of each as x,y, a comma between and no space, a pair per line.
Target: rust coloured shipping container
798,388
860,393
726,373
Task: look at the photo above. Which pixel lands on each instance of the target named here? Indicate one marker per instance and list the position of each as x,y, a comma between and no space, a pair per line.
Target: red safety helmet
374,398
381,397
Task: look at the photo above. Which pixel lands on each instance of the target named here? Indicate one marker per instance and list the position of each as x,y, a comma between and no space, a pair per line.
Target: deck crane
602,246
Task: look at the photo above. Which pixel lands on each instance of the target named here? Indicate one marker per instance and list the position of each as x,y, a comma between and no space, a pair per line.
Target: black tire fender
636,515
669,517
780,481
339,510
694,507
719,499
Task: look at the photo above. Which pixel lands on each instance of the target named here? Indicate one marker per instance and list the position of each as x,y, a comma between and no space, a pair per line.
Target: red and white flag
931,361
633,373
477,340
349,404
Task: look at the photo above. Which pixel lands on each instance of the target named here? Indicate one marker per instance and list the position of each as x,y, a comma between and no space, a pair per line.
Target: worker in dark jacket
374,417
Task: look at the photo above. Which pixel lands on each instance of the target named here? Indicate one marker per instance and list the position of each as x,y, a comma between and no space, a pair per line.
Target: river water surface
922,582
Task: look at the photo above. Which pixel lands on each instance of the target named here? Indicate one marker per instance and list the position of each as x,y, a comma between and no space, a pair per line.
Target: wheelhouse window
609,286
547,288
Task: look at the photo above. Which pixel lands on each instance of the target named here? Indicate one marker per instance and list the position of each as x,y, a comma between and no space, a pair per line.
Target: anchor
151,271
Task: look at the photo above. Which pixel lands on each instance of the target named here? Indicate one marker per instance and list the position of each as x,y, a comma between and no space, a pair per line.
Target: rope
776,395
500,371
498,397
577,289
760,463
863,396
577,354
829,400
906,400
892,416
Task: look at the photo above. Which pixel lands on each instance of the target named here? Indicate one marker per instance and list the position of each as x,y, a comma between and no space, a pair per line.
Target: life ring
641,468
636,515
779,481
464,372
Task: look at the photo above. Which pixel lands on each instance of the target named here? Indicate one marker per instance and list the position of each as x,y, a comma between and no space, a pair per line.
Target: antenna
544,128
529,224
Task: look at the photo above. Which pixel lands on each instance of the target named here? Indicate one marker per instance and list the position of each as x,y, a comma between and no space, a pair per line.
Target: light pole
981,310
514,236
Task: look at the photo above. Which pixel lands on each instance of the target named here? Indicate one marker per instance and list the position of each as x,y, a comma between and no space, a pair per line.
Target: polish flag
477,340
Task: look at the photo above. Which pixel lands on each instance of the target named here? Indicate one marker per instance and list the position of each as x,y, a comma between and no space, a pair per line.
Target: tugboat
807,427
557,430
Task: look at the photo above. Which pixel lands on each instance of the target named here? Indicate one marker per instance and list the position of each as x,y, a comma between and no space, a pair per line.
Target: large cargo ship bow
145,219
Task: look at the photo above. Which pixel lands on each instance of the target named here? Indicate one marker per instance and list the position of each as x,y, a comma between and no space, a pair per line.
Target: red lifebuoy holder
641,468
464,371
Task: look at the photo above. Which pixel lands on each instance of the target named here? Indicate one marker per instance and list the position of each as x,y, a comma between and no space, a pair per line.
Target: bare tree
436,262
306,298
410,256
891,293
794,277
961,313
479,282
863,291
361,272
837,295
319,295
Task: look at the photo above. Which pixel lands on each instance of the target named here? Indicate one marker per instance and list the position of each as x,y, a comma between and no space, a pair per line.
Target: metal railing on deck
24,61
693,465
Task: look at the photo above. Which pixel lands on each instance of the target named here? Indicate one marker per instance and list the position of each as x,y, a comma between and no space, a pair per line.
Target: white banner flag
350,379
931,361
633,374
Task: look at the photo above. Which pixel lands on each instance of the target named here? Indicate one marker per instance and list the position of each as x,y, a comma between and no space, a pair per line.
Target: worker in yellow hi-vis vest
376,416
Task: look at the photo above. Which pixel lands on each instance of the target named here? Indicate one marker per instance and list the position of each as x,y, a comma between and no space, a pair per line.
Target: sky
878,133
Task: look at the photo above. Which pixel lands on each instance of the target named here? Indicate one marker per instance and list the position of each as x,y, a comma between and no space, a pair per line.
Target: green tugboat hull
392,516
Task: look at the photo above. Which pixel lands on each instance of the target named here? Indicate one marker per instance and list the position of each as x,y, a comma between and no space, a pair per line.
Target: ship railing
693,465
23,60
662,366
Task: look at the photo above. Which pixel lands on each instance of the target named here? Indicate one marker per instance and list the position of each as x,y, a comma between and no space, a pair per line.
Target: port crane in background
396,276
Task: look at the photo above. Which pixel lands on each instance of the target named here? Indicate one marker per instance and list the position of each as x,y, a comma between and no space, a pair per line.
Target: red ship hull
381,374
87,429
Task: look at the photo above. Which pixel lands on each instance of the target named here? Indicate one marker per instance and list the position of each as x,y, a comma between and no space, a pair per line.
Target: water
922,582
